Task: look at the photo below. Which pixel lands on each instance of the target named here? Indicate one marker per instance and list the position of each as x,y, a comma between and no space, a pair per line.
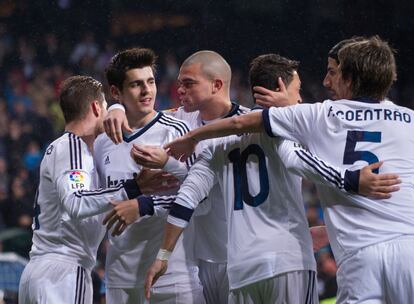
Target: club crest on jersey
76,180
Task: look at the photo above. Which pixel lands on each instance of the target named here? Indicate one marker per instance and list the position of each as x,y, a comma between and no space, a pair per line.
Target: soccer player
67,225
130,75
269,250
372,240
195,75
204,90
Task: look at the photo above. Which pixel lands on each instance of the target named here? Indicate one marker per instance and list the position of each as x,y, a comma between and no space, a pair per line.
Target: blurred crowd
30,118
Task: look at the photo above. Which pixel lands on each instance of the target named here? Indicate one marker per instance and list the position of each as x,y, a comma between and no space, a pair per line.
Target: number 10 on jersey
241,185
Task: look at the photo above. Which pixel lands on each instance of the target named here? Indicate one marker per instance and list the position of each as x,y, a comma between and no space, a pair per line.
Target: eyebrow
139,81
186,79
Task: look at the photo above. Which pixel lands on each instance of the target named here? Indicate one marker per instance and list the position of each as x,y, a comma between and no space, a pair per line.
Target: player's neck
84,131
216,109
138,120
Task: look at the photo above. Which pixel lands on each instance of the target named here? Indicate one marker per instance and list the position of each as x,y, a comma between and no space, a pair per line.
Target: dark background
44,42
237,29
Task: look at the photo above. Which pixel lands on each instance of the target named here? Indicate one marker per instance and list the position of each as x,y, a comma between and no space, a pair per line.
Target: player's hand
181,148
153,181
149,156
378,186
114,123
157,269
123,214
268,98
319,237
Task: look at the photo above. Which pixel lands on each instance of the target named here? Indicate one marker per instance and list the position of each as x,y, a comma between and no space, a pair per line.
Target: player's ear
96,108
115,92
217,85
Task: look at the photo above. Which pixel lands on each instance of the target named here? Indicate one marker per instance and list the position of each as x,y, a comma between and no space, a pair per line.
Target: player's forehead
139,74
190,72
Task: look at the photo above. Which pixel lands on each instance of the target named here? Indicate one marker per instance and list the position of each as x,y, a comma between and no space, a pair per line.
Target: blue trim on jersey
80,153
131,188
179,125
146,205
80,286
233,111
143,130
351,183
75,151
323,172
164,201
257,107
366,100
266,122
322,165
181,212
100,191
70,152
182,129
311,286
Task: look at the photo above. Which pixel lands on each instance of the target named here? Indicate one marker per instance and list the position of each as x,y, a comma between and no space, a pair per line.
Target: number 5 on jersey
353,137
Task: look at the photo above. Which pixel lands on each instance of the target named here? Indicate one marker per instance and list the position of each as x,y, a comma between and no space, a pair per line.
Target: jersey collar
143,129
366,100
233,111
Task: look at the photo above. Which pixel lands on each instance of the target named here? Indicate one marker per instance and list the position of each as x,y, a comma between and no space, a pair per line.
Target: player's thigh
215,282
125,296
399,270
359,278
50,281
180,293
296,287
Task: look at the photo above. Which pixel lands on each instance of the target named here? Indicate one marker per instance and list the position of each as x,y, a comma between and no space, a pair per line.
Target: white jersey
66,222
351,134
268,231
132,253
211,223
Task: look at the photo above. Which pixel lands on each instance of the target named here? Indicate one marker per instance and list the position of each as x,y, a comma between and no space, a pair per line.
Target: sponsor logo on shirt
107,161
110,182
76,180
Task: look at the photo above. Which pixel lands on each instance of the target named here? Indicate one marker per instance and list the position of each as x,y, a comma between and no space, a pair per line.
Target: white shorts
47,280
296,287
180,293
381,273
215,282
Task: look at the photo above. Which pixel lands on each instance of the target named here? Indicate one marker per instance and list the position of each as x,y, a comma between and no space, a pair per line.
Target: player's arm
160,265
364,182
184,146
319,236
157,158
195,188
127,212
80,202
115,122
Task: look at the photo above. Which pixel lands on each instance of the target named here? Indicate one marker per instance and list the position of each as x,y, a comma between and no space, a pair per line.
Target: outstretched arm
364,182
183,147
